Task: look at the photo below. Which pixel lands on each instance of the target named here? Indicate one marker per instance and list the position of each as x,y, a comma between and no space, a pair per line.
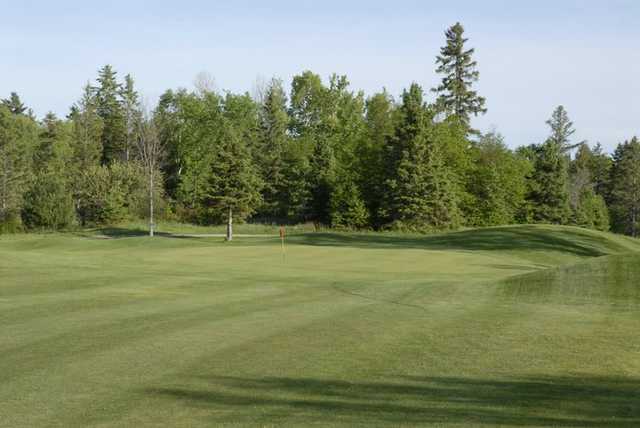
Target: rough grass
516,326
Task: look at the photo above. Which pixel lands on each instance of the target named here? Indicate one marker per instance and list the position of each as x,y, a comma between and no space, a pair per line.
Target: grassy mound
512,326
611,280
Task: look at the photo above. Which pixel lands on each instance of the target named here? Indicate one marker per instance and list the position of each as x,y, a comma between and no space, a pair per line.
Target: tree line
319,152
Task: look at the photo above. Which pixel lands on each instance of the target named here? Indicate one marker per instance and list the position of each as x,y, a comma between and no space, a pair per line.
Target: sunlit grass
514,326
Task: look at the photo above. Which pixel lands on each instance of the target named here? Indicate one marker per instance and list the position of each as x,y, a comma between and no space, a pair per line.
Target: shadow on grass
542,401
118,232
529,238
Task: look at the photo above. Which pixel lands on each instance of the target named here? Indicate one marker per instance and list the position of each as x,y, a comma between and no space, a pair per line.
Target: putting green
513,326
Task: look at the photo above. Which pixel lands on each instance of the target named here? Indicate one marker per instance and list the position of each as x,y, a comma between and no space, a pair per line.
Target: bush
48,203
11,222
348,210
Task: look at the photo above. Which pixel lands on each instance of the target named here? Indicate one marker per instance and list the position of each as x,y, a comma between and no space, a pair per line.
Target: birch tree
151,152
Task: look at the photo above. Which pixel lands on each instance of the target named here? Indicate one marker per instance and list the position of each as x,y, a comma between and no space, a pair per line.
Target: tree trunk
151,225
230,226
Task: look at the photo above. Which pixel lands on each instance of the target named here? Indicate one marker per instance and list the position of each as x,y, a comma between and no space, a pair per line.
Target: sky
532,55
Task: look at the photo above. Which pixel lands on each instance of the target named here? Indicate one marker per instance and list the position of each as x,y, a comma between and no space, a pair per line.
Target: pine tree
348,209
234,184
624,197
274,143
87,131
379,128
550,179
456,64
110,110
55,146
600,167
421,193
132,115
549,195
18,140
347,206
14,104
561,130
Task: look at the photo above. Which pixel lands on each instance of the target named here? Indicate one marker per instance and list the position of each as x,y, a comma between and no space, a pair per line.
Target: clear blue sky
532,55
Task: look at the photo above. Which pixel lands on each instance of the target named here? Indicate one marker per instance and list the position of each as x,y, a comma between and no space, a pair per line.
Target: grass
515,326
168,227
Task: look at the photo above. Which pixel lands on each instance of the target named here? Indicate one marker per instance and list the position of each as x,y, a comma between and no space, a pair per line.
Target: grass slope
513,326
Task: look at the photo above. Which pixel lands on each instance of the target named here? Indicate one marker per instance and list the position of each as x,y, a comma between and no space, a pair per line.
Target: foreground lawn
517,326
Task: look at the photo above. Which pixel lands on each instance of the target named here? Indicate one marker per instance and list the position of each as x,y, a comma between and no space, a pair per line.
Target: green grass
515,326
167,227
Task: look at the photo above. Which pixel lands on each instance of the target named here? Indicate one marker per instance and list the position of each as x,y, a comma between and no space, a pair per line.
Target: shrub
48,203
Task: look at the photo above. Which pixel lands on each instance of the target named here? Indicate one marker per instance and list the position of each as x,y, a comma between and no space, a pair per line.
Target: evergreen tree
86,146
561,130
274,144
624,198
579,175
111,112
18,140
54,144
379,126
421,192
14,104
234,184
456,64
347,206
600,168
132,115
550,179
87,131
549,188
348,209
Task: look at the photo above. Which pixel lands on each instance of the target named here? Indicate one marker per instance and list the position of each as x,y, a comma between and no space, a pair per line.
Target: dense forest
318,152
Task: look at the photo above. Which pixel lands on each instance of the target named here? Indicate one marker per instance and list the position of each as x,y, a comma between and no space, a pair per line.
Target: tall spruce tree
549,194
347,206
455,62
48,202
420,189
234,183
600,167
87,131
562,130
14,104
110,110
379,128
274,144
18,140
624,197
86,146
132,115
